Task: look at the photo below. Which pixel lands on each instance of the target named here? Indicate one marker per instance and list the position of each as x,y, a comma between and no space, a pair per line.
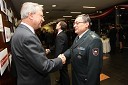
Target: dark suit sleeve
94,62
60,45
35,55
67,54
52,48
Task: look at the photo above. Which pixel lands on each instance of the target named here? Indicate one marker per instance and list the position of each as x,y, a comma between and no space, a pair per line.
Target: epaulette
93,35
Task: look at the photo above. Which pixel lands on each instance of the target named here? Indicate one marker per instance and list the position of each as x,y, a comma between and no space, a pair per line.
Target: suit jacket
32,65
112,35
86,59
61,43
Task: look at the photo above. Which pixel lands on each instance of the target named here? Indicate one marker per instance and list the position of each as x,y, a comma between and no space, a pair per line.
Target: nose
74,25
43,19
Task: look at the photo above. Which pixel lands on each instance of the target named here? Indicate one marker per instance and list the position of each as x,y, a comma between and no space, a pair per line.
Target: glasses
42,17
76,23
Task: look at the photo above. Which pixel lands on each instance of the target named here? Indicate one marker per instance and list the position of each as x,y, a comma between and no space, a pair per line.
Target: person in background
86,53
112,35
61,45
32,65
49,39
120,37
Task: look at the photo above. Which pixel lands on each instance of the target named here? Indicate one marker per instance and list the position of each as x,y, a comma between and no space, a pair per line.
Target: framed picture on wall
7,34
1,23
3,60
9,14
3,6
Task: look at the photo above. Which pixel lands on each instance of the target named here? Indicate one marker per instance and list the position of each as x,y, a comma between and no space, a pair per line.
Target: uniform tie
77,38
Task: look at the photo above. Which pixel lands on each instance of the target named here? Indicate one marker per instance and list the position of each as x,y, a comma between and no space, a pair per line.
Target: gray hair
85,18
29,7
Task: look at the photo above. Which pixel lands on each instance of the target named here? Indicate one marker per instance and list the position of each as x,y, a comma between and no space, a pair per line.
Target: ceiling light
122,8
89,7
61,19
53,5
75,12
47,12
67,16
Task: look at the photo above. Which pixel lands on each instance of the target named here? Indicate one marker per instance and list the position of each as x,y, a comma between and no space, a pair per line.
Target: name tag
81,48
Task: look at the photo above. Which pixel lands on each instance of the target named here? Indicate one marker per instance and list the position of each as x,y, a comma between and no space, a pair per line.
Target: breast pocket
81,52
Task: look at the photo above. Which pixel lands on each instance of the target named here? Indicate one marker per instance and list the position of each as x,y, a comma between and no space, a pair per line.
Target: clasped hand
47,51
63,58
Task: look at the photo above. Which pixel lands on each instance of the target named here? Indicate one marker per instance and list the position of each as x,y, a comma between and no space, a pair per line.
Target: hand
63,58
47,51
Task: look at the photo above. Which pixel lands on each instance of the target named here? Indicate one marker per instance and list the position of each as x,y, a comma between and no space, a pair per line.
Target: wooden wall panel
7,78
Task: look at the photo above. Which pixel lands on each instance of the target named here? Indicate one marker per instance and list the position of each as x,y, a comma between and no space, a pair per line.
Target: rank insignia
95,51
79,57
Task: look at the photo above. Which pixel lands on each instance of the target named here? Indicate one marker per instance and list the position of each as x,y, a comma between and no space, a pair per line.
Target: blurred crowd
118,36
47,37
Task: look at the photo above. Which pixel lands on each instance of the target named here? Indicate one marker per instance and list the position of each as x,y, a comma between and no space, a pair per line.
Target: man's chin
76,32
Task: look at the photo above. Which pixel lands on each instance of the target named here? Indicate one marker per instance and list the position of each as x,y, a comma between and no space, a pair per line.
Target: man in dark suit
112,36
32,65
61,45
86,54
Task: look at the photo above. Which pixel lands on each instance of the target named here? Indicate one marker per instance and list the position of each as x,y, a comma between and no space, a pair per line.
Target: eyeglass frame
78,23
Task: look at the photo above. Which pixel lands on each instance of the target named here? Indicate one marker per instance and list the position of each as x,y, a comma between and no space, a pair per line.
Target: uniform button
85,79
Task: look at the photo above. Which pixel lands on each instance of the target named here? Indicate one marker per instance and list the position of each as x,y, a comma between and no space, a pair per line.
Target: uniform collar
83,33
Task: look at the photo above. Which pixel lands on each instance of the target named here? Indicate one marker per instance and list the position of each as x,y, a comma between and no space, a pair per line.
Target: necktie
77,38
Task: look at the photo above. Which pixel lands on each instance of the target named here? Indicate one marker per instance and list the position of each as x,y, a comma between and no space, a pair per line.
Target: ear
30,15
87,23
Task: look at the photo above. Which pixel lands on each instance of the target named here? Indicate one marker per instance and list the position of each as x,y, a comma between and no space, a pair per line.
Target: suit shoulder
63,34
22,33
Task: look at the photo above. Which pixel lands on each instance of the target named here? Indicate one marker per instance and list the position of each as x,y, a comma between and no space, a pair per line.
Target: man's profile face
80,26
38,19
58,26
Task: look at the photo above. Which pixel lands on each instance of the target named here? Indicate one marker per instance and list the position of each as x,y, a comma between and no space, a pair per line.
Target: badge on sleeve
95,51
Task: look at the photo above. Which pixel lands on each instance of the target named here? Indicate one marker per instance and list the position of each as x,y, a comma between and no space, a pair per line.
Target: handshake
61,56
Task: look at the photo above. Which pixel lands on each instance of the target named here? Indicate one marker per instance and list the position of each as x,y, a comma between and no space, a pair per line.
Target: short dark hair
63,25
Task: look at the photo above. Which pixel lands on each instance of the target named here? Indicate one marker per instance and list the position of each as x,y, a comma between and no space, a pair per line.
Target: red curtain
103,14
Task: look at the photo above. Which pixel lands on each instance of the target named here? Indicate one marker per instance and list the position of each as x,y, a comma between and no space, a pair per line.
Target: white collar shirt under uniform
83,33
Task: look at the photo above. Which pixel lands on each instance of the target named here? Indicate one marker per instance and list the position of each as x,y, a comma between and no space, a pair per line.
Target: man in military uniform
86,54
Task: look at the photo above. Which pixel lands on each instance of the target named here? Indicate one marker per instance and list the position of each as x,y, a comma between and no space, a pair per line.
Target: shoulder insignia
93,35
95,51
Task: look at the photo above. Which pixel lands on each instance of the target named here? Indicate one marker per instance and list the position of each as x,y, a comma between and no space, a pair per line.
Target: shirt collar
83,33
31,28
59,31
